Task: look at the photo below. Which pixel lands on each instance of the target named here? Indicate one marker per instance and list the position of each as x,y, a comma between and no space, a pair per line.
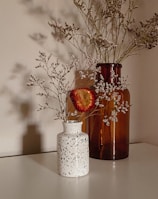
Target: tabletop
35,177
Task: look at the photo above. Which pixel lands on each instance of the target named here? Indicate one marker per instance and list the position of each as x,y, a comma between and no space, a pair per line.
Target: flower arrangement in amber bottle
55,86
109,33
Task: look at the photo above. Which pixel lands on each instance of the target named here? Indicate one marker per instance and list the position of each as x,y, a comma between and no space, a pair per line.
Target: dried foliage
109,92
110,32
55,80
54,83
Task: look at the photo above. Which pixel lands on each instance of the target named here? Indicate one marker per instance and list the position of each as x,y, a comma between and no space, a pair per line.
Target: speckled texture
73,151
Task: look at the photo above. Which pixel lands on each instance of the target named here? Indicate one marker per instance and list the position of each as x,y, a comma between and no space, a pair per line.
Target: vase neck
72,127
111,72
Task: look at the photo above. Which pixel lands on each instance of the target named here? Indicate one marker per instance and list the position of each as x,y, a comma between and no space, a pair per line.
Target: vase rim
72,121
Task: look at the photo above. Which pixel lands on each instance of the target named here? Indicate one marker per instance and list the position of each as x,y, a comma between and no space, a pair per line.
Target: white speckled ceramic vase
73,150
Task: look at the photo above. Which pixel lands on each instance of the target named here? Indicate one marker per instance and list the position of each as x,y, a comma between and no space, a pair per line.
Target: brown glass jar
110,142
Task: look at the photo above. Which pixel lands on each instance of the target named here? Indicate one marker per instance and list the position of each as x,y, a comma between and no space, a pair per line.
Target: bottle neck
111,72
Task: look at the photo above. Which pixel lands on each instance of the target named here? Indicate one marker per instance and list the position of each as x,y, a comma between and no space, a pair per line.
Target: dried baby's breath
54,84
109,91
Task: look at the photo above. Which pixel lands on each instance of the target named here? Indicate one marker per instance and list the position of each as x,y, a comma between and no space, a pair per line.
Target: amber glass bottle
110,142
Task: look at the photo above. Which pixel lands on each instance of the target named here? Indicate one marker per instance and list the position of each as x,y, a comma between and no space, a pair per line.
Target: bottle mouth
109,64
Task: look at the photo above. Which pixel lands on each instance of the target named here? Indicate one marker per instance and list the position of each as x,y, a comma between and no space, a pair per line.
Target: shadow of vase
32,140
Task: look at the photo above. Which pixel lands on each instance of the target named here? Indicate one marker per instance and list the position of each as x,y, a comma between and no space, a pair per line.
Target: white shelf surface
35,177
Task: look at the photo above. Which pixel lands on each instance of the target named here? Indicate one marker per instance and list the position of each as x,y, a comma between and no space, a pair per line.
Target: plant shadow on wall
21,105
45,11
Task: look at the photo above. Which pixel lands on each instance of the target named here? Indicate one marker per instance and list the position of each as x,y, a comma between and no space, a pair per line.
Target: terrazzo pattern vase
73,150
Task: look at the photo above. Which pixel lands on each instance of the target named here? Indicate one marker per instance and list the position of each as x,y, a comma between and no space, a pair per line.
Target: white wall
24,130
21,128
149,84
